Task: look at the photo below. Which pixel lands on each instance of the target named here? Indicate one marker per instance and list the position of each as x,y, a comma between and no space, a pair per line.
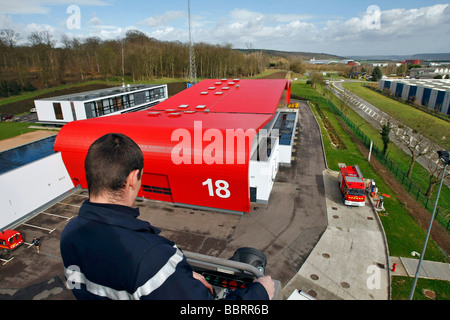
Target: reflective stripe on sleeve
75,278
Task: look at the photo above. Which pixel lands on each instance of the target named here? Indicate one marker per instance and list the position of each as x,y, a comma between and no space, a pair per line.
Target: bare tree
43,45
414,141
144,58
436,171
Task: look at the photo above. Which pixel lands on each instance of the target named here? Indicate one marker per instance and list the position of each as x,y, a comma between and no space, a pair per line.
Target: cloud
163,20
407,30
95,21
244,27
400,30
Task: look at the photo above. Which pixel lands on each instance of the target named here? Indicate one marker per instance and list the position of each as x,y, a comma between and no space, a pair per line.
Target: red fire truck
351,184
10,240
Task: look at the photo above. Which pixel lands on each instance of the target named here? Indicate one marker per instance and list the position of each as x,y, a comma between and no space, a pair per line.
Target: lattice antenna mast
192,66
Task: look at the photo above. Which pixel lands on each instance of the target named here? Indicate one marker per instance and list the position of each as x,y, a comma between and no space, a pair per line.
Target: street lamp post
444,157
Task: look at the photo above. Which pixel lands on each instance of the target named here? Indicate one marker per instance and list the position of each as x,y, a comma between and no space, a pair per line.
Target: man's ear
133,178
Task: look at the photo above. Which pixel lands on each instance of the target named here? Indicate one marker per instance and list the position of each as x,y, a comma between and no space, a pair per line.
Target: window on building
91,112
58,111
157,93
118,104
126,102
107,106
99,108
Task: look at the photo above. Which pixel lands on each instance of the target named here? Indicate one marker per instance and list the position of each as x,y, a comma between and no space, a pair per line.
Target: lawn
12,129
32,94
401,288
432,127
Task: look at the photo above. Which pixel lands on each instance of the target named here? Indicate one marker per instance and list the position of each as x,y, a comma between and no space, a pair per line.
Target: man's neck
111,199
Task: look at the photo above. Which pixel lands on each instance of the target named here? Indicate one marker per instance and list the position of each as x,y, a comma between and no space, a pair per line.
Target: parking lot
25,273
287,229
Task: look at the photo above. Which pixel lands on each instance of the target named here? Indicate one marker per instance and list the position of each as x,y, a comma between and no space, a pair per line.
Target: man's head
110,162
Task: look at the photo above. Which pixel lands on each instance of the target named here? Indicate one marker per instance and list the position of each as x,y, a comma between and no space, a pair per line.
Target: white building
272,148
97,103
429,73
431,93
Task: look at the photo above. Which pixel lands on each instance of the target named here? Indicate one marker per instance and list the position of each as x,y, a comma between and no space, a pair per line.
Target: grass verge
13,129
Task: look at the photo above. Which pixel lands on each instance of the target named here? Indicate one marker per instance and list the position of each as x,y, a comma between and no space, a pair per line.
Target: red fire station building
203,148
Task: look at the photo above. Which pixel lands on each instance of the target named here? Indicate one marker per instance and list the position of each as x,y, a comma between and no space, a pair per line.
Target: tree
414,141
316,79
385,131
298,67
436,171
142,59
43,45
377,74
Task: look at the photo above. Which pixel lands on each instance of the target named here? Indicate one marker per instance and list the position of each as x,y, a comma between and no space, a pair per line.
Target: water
20,156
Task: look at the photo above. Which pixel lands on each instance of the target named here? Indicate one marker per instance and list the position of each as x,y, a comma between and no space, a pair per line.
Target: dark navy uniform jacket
110,254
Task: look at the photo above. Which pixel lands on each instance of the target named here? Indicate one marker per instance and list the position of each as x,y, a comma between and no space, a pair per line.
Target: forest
39,62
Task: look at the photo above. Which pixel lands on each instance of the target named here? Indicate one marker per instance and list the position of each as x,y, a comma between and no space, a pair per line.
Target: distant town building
380,64
413,61
357,75
98,103
314,61
428,73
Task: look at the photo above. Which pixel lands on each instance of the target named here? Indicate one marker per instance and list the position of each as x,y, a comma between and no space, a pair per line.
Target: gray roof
95,94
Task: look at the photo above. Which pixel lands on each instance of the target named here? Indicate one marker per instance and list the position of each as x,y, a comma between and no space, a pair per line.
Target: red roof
230,96
192,121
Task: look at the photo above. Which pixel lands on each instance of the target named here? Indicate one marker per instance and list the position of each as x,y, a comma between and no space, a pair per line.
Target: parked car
7,116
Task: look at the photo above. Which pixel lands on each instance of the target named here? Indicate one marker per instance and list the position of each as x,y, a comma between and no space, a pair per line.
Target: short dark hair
109,161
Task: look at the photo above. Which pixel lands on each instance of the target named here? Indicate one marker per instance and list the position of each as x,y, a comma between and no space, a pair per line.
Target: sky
339,27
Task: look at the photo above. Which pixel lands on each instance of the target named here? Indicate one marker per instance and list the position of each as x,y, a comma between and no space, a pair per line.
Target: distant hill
419,56
305,56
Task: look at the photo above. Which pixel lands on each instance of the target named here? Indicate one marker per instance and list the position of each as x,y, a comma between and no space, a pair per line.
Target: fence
408,184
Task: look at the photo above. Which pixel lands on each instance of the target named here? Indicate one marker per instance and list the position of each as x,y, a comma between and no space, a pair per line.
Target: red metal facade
196,144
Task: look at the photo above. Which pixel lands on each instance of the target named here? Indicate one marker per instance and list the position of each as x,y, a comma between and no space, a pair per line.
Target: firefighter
36,243
110,254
